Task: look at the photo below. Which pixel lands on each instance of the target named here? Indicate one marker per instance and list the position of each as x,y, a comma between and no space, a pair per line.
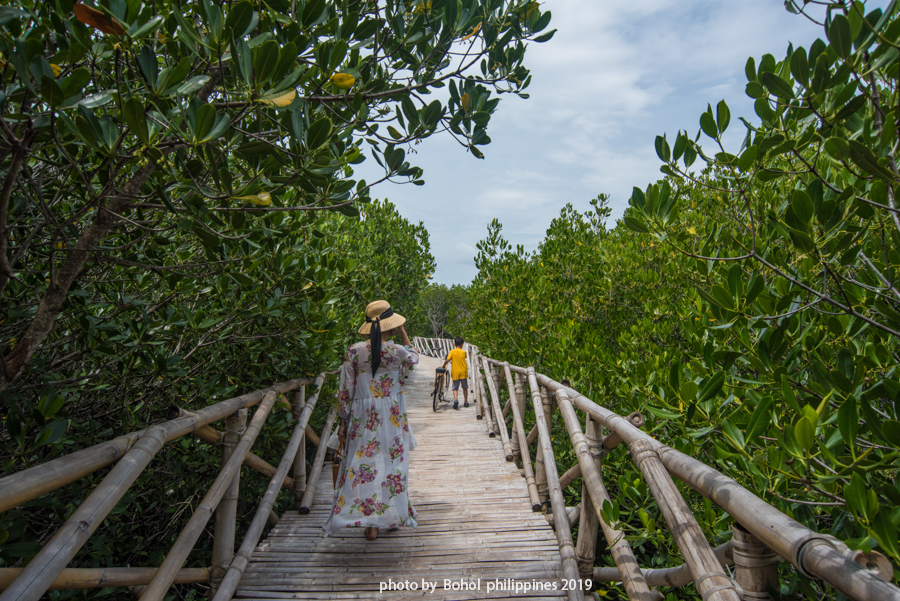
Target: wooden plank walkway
476,527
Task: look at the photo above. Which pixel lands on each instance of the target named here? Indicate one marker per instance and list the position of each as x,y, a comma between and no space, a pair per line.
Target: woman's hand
403,335
342,429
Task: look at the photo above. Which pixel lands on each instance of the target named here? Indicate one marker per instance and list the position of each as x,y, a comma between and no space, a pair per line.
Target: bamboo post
300,458
558,503
161,582
709,577
540,468
84,578
586,549
520,392
226,512
495,405
486,401
756,566
318,463
476,374
587,451
263,512
519,431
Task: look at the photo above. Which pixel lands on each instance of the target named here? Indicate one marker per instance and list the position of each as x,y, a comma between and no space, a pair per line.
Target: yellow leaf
342,81
59,245
263,199
475,30
692,230
318,331
307,286
465,102
56,69
230,381
281,100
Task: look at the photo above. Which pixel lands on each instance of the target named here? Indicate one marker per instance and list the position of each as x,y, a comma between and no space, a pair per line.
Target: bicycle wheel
434,397
442,390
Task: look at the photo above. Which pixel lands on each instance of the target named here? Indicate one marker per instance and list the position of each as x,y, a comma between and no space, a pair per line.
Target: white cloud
615,75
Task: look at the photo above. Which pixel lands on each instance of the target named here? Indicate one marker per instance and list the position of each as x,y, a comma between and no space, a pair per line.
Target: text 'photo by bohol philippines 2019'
450,300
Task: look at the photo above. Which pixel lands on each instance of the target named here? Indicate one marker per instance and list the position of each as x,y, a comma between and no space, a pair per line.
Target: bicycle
441,383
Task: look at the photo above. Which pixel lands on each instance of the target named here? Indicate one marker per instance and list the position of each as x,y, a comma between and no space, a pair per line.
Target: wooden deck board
475,522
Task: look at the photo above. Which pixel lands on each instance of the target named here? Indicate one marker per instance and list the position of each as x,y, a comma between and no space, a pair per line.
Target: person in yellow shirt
459,371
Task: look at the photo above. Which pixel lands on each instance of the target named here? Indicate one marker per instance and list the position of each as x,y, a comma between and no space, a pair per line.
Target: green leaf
711,386
839,36
805,432
661,413
319,132
803,206
51,432
51,92
149,65
760,419
133,111
848,420
837,148
733,434
748,158
265,60
855,495
635,225
662,149
800,66
890,430
708,125
723,116
777,85
885,532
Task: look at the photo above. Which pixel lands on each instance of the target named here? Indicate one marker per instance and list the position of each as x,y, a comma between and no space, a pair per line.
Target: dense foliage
179,216
750,308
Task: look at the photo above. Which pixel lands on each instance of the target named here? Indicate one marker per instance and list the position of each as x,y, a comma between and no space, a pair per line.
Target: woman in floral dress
372,490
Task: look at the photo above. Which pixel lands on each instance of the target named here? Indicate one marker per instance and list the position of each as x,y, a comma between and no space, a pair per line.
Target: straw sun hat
375,311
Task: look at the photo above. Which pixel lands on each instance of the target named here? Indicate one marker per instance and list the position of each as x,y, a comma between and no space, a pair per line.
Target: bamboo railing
132,454
761,533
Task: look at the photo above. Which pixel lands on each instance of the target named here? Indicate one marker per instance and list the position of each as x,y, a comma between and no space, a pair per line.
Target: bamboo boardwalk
476,527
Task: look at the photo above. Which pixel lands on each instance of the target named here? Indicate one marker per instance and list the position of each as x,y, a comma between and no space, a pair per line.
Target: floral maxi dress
372,488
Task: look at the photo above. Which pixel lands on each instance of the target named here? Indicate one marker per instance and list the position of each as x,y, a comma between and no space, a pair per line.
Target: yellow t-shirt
458,370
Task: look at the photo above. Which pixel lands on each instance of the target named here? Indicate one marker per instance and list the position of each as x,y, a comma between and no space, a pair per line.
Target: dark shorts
462,381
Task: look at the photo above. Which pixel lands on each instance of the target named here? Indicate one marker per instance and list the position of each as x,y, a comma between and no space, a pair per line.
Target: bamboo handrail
36,481
518,430
81,578
558,503
163,579
495,404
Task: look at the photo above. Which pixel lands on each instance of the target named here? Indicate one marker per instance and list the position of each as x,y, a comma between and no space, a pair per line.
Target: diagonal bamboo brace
707,572
497,414
519,432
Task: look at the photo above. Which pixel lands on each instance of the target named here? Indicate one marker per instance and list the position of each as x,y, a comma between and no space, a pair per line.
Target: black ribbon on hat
375,337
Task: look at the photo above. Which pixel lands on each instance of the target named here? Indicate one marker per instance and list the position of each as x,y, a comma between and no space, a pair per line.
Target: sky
615,75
